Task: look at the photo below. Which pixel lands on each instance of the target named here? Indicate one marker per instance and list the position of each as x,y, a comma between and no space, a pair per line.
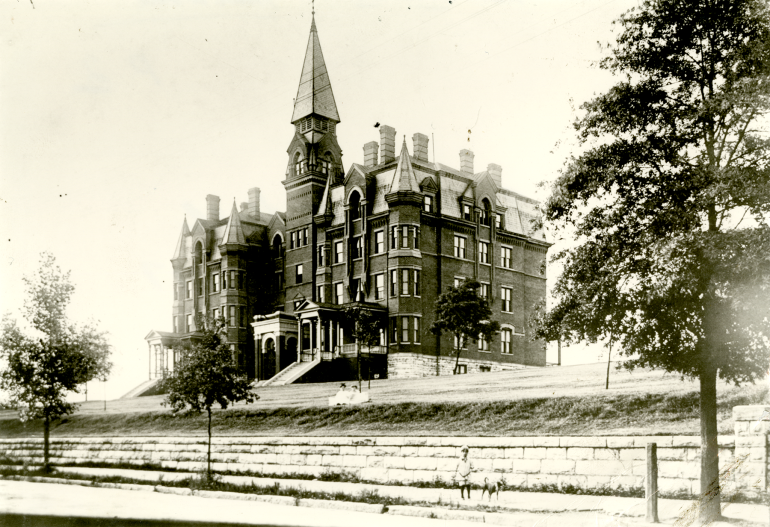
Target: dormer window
298,164
427,203
498,221
467,212
486,213
355,206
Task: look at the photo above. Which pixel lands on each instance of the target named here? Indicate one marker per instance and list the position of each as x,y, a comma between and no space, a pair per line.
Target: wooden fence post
651,484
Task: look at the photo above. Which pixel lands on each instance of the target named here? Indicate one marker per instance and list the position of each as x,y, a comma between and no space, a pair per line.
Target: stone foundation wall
525,462
411,365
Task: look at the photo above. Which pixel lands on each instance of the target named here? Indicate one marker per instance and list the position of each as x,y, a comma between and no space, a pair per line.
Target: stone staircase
139,390
290,374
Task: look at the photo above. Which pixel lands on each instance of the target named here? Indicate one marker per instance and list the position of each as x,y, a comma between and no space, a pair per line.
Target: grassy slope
551,401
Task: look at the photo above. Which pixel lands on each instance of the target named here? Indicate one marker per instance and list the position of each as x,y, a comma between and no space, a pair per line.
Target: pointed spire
314,95
234,231
181,245
404,178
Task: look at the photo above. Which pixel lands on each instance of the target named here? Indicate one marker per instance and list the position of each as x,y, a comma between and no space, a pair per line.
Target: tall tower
314,158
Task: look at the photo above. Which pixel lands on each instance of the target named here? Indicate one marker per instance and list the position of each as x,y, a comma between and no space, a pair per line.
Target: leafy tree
40,370
365,327
668,202
462,312
207,374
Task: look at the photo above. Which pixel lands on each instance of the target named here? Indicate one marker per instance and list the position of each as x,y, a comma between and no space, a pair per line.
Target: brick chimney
212,207
420,146
496,173
387,143
370,153
254,202
466,162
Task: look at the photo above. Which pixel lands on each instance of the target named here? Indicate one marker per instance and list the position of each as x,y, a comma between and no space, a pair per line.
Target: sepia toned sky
117,118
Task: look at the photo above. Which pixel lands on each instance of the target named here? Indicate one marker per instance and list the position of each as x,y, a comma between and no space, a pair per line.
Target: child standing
463,472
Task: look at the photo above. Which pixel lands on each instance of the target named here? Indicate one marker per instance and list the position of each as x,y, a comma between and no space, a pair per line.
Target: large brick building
391,233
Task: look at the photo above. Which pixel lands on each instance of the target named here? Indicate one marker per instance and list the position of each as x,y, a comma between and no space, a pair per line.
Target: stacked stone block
523,462
410,365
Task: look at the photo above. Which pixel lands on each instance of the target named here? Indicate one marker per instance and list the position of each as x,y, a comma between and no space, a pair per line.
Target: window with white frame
298,274
224,280
320,293
416,237
338,292
338,252
215,283
484,291
394,238
416,275
379,286
505,296
505,341
427,203
505,257
498,221
358,249
321,254
467,212
416,327
459,245
483,343
233,319
355,290
379,242
293,240
404,282
232,279
189,289
483,252
393,282
393,330
458,281
215,314
459,340
404,329
404,237
189,323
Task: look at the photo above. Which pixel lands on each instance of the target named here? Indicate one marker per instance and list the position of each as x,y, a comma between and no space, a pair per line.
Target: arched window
277,246
198,252
297,164
486,212
355,205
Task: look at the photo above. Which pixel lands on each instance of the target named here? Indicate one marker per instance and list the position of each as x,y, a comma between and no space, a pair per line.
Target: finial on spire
312,3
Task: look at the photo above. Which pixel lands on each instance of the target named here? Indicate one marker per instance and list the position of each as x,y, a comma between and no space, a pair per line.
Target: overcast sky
117,118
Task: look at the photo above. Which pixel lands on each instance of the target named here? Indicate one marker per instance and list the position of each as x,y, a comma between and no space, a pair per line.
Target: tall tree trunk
710,506
208,455
358,362
609,357
46,450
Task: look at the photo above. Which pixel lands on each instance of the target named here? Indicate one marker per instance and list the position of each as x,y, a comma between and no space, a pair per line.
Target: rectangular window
459,281
506,298
338,299
404,329
393,282
338,255
505,257
224,280
394,330
484,291
416,236
232,316
215,313
320,294
483,252
394,238
355,290
293,240
462,369
176,291
188,328
232,279
427,203
357,247
416,330
505,341
299,274
498,221
416,282
459,247
320,256
379,286
379,242
483,343
189,289
467,212
461,339
404,237
404,281
215,283
304,236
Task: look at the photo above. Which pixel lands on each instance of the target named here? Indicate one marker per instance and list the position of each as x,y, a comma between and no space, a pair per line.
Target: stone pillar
752,426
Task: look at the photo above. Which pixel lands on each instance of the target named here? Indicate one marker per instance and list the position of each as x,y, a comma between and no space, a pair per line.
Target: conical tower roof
314,95
404,178
181,245
234,231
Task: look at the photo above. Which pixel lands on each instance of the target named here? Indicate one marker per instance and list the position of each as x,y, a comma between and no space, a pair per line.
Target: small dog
491,488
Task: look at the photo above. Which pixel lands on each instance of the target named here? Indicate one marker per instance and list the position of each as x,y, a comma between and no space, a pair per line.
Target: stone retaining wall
525,462
410,365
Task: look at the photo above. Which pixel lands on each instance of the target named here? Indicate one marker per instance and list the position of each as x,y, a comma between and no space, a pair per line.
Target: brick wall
528,462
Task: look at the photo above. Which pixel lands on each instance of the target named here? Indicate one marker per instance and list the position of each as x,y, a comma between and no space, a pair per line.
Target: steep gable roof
404,178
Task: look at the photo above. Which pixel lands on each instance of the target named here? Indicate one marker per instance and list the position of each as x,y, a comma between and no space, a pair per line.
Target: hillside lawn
563,400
